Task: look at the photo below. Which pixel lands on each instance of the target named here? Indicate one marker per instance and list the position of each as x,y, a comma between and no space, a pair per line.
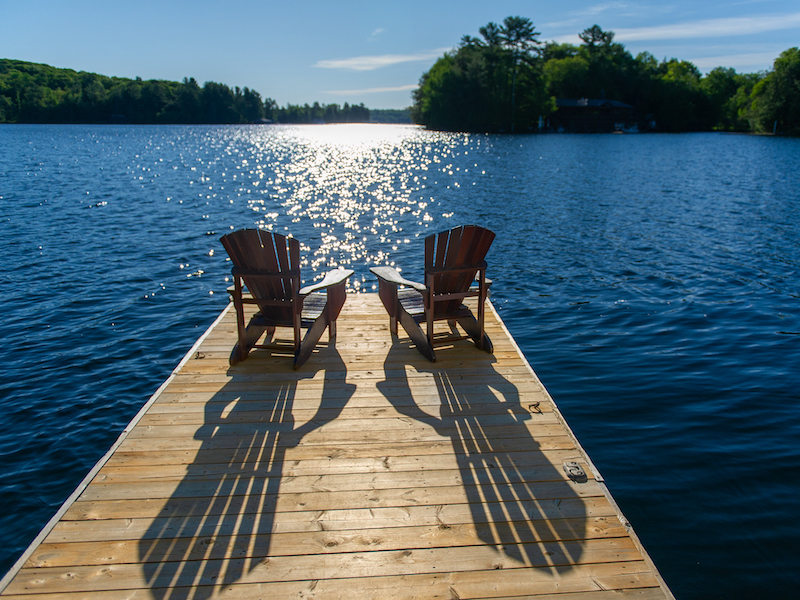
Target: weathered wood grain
367,473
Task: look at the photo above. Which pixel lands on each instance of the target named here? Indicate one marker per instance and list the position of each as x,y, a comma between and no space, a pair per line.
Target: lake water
651,281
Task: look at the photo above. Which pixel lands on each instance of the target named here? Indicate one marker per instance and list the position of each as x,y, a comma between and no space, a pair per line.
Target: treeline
320,113
36,93
508,80
390,115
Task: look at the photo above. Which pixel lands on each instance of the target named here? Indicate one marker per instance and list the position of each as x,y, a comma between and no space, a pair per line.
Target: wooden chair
268,265
453,260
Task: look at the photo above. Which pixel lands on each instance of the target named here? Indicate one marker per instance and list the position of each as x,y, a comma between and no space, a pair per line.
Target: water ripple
652,282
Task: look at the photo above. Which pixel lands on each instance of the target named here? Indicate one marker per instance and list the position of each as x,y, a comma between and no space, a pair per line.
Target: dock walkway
368,473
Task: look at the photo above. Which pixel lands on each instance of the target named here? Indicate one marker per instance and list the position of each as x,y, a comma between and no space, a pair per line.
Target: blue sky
365,51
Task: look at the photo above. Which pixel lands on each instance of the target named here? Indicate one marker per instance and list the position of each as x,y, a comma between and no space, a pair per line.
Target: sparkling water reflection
650,280
355,195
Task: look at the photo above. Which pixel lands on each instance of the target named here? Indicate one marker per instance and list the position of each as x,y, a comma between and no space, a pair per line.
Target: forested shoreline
37,93
508,80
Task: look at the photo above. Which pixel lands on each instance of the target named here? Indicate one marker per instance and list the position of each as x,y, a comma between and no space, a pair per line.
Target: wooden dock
368,473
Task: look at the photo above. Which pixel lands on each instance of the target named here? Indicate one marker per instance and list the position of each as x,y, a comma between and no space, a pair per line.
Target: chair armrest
486,280
331,278
392,275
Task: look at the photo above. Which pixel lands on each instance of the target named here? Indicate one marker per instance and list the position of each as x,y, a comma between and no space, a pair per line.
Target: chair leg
429,316
387,292
417,336
313,335
331,330
241,349
481,320
296,326
336,297
252,334
476,332
484,342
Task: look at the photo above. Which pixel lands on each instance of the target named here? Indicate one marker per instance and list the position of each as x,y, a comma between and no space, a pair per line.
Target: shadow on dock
514,492
217,526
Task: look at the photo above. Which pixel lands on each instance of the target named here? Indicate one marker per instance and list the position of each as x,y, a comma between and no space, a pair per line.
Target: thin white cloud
370,63
601,8
562,24
374,35
710,28
580,18
378,90
755,59
571,38
615,9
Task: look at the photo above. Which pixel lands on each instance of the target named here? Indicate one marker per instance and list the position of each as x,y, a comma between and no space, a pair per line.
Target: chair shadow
217,525
514,492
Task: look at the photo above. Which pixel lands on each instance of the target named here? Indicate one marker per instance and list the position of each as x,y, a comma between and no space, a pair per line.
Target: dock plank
367,473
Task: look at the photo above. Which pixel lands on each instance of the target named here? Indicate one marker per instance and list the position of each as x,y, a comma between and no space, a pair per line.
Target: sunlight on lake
335,186
651,280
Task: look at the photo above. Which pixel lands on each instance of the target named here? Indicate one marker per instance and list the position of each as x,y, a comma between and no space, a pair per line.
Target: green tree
185,106
776,98
594,36
488,56
566,77
492,34
442,100
599,68
217,101
611,69
679,102
492,83
743,101
153,98
721,86
552,50
519,35
249,105
36,93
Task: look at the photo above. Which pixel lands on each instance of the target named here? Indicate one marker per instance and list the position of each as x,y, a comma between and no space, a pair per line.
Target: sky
371,52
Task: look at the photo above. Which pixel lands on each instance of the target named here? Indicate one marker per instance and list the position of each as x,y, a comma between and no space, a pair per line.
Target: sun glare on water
352,194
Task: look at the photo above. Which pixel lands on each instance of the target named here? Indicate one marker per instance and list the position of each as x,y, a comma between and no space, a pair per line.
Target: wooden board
367,473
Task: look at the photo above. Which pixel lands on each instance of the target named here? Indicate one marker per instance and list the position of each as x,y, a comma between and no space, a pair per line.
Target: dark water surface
651,280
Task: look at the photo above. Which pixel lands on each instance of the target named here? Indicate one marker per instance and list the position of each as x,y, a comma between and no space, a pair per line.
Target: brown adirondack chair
453,260
268,265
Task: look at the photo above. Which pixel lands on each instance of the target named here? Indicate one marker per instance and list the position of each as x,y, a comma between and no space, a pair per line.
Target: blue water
651,281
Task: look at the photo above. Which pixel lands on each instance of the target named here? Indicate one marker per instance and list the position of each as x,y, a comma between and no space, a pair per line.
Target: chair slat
460,281
274,245
452,260
269,265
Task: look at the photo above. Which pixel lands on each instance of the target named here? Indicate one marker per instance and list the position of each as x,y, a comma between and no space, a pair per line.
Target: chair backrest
269,264
454,256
